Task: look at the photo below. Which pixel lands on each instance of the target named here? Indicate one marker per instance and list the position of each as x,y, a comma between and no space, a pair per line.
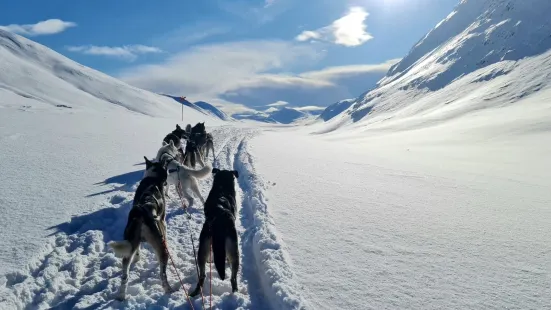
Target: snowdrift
485,54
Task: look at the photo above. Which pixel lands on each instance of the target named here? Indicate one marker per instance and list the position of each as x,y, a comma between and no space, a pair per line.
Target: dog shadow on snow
122,182
111,221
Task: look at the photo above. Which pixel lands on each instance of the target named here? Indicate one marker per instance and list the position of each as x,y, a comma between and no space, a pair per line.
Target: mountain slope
480,42
212,110
35,72
336,108
203,107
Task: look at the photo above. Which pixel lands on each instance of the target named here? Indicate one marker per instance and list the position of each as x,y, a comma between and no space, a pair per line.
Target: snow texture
429,192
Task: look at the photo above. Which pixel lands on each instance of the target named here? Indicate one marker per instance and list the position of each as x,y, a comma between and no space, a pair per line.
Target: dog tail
121,248
219,248
222,234
201,173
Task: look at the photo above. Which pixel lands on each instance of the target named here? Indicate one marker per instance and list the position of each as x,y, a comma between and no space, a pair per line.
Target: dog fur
219,229
187,178
176,137
146,222
192,155
209,145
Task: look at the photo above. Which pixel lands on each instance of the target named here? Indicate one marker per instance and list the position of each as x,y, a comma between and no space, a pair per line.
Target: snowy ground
454,216
450,216
79,172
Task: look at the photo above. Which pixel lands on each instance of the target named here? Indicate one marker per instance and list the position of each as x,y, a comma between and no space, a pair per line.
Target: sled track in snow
77,270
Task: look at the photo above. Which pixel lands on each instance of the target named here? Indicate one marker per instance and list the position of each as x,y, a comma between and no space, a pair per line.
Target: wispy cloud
47,27
263,13
339,72
210,70
278,104
310,108
128,52
349,30
254,73
186,35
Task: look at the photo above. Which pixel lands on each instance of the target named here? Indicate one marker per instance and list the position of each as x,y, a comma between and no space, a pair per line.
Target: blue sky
233,52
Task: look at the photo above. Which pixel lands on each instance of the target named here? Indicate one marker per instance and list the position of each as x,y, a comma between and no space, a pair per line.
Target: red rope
210,254
177,274
192,243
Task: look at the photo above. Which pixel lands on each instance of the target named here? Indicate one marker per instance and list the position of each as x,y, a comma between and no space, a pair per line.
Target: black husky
146,221
176,136
192,155
219,229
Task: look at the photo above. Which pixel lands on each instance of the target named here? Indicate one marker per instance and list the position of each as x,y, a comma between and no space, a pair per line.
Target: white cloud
261,13
129,52
210,70
310,108
47,27
349,30
278,104
255,74
339,72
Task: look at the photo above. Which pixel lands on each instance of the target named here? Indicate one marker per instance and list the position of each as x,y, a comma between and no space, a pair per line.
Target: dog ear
235,173
215,170
147,162
178,126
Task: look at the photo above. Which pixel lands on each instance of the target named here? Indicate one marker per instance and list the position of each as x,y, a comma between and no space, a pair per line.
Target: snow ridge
277,279
479,35
33,71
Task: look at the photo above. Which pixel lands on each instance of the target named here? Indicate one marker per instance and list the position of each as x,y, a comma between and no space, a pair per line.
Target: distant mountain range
281,115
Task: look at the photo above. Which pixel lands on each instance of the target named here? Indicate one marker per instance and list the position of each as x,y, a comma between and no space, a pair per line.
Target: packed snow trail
76,270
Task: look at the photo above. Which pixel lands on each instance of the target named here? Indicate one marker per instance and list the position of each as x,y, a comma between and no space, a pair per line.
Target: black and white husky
219,229
176,137
146,221
179,174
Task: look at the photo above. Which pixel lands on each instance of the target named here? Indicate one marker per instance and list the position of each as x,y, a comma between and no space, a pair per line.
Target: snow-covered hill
212,110
336,109
33,72
486,53
203,107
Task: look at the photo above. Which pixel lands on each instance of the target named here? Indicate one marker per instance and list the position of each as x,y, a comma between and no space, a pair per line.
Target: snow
478,37
429,192
454,216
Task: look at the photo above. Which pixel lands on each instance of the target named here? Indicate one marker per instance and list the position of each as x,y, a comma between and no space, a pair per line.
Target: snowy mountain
255,116
335,109
285,115
41,76
281,115
429,210
203,107
212,109
484,50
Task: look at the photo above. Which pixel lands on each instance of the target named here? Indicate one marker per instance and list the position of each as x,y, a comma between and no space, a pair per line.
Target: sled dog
146,221
219,229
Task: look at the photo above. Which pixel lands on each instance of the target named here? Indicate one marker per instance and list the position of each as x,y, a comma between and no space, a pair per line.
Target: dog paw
168,289
195,292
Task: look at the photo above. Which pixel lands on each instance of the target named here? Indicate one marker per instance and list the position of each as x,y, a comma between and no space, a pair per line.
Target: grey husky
219,229
146,222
